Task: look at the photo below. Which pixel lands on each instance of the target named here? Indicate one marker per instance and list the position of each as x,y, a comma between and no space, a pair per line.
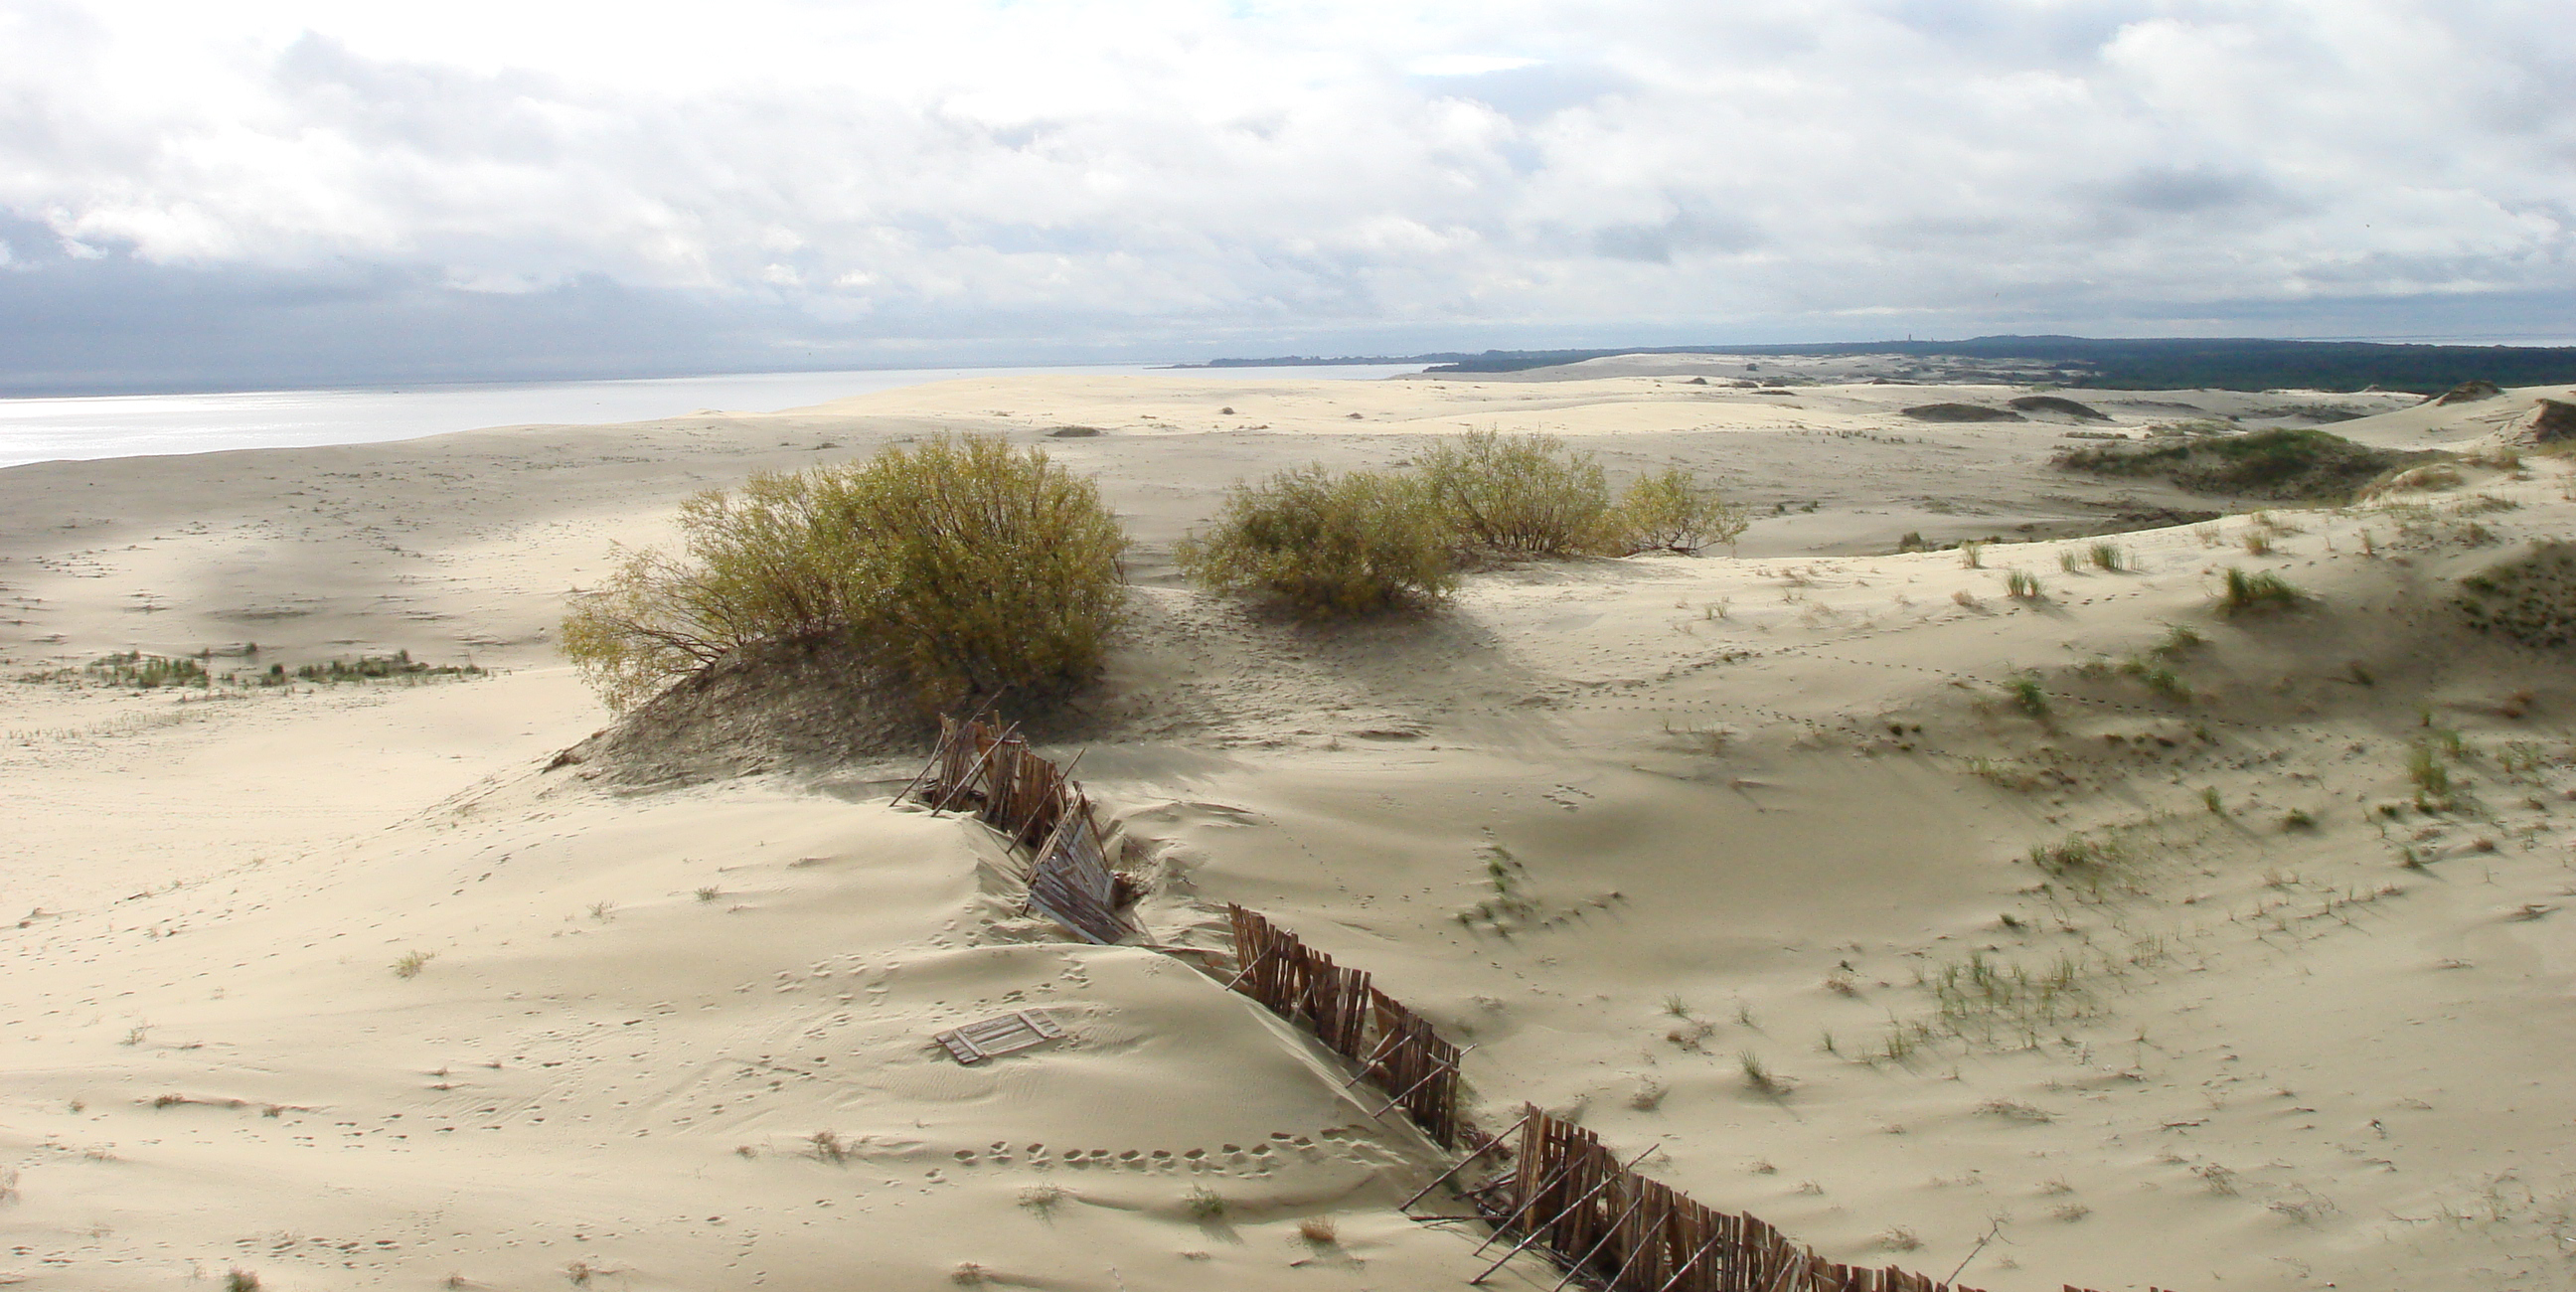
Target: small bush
2108,557
1672,511
1326,544
1759,1077
1204,1203
965,565
2247,592
2432,777
2022,585
1972,554
1319,1230
2027,695
1522,494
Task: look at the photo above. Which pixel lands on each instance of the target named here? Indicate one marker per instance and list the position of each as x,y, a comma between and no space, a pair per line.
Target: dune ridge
2243,965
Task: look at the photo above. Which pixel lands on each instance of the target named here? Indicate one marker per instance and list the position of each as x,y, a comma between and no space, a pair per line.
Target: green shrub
2246,592
1327,544
1520,494
1672,511
963,565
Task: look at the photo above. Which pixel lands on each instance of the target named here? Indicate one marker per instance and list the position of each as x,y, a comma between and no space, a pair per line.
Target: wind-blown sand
1618,823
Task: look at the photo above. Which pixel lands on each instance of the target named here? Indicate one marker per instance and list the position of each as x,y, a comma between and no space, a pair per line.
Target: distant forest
2163,363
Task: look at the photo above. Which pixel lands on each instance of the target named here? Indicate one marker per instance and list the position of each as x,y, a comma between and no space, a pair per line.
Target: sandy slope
1621,824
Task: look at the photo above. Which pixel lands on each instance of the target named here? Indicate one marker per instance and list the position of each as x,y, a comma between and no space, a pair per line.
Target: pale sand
2304,1065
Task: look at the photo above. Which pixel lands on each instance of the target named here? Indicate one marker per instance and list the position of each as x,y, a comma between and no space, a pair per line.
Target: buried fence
1397,1051
992,772
1600,1219
1564,1195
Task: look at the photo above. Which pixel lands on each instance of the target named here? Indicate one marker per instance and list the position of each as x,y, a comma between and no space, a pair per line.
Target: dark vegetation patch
1077,432
2058,404
2282,464
2531,599
1961,413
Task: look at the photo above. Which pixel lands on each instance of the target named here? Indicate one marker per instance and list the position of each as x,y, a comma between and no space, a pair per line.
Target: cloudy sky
267,191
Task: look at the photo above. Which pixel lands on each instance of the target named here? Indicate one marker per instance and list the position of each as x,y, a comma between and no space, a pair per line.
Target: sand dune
1619,823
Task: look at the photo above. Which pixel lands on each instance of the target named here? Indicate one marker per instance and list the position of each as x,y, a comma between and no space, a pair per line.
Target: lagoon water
117,426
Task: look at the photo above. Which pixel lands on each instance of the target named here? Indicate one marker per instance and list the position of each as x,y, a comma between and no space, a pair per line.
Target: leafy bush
963,565
1327,544
1672,511
1522,494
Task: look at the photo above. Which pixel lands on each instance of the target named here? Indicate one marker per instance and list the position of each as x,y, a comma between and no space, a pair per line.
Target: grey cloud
358,211
2189,190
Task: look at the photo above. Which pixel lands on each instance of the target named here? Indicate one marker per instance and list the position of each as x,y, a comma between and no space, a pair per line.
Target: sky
276,192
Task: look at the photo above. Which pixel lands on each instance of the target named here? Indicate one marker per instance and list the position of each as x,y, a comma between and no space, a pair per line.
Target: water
119,426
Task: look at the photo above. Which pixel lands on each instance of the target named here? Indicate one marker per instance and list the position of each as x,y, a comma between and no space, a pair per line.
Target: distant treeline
2161,363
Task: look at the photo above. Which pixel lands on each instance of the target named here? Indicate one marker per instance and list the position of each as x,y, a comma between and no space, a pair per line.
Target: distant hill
2156,363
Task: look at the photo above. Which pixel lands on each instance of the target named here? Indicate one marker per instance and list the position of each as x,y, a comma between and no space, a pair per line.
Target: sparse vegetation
963,565
2531,599
2283,463
829,1147
147,672
2022,585
241,1280
1204,1203
411,963
1320,1231
2108,558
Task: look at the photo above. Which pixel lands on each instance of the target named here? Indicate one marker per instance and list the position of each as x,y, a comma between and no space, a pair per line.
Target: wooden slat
1615,1229
1001,1034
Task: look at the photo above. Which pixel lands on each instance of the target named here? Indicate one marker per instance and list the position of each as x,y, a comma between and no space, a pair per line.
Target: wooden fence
991,772
1564,1194
1397,1051
1597,1218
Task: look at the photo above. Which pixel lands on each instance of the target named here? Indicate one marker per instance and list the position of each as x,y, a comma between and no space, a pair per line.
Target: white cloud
1467,64
1168,167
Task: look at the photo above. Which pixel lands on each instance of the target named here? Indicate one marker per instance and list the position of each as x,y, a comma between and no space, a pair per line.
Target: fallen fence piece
1490,1145
1001,1034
